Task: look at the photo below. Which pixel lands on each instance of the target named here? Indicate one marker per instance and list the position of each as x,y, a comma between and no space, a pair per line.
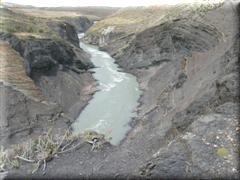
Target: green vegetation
25,26
222,152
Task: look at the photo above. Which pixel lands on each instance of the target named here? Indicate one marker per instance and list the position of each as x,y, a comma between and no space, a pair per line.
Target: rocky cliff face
168,42
58,70
65,31
187,125
70,27
188,71
43,56
24,109
81,24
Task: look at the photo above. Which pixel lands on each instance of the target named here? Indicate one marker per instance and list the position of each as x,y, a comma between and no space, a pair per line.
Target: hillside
44,74
121,27
185,59
93,13
186,62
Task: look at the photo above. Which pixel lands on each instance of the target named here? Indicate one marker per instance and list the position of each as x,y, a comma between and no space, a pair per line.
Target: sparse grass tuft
37,151
3,159
90,135
95,139
44,148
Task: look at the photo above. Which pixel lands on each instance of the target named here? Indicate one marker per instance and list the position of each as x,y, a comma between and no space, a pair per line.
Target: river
112,106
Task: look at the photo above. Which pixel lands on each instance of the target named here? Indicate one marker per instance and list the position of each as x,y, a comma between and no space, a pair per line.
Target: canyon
186,61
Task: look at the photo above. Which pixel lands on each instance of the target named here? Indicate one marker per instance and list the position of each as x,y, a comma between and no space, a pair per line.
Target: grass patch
3,159
131,21
95,139
44,148
136,19
25,26
94,13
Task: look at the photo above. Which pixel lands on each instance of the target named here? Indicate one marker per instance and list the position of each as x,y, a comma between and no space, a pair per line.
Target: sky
112,3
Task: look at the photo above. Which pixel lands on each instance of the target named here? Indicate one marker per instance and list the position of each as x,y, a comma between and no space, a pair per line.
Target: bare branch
24,159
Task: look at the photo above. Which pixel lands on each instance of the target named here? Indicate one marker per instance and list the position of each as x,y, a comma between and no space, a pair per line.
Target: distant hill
23,25
96,13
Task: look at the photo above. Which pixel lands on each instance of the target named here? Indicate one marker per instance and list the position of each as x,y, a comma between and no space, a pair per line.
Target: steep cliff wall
188,69
187,126
81,24
69,27
189,72
55,71
65,31
24,109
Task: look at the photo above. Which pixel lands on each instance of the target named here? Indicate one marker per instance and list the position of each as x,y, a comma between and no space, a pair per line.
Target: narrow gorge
130,92
111,108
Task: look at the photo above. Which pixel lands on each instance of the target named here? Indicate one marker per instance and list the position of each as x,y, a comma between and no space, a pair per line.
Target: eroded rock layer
45,83
188,70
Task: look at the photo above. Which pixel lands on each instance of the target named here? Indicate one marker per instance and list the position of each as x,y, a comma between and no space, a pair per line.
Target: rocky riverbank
187,125
54,70
188,68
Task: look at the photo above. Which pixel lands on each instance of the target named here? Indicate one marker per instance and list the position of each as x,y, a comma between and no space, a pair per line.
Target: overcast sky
113,3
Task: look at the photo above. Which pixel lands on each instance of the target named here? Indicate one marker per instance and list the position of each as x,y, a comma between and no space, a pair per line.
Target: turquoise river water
112,106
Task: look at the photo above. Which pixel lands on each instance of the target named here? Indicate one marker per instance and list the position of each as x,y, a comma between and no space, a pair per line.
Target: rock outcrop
187,125
24,109
70,27
65,31
58,72
168,42
81,24
188,117
45,56
189,72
